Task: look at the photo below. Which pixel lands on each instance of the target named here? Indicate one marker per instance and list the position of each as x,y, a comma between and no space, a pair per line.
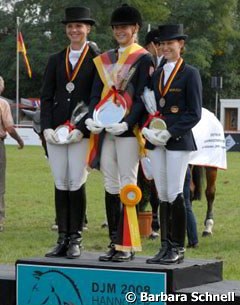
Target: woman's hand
93,126
117,128
50,136
74,136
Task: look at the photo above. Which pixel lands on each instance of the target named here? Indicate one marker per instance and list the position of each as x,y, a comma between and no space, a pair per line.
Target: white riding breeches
68,163
119,162
169,169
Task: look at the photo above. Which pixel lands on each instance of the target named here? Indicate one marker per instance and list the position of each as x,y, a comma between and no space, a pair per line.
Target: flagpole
17,77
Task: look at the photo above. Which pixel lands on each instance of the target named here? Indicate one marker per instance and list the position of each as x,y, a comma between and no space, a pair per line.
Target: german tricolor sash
115,74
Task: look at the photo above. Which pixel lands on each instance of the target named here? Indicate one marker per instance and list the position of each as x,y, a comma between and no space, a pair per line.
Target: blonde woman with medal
177,89
66,88
122,75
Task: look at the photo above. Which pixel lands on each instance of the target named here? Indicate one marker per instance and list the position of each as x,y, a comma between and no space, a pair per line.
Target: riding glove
151,136
50,136
163,136
93,126
117,128
74,136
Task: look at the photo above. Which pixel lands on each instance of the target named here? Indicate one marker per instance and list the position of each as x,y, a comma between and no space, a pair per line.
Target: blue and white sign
51,285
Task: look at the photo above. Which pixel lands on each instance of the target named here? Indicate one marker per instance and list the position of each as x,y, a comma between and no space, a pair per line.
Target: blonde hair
1,84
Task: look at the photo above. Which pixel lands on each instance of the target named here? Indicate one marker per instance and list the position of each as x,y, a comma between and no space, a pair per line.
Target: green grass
30,213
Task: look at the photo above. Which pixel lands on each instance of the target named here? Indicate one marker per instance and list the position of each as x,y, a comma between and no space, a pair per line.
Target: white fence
27,134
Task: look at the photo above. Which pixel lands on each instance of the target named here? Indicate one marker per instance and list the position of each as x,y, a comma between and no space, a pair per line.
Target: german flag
22,49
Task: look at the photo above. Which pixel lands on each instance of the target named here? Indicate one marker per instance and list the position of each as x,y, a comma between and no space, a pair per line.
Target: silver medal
162,102
70,87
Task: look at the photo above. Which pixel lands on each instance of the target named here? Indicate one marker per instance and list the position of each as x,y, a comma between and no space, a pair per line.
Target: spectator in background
192,233
152,45
6,126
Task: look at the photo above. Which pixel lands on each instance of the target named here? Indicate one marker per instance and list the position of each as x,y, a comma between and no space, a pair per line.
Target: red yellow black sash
108,67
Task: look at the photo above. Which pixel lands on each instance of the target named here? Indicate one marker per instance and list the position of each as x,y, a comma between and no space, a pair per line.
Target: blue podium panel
70,285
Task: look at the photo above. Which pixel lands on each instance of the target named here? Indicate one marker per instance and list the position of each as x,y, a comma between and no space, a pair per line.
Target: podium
86,281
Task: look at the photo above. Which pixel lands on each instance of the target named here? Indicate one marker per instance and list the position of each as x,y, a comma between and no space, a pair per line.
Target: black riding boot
77,213
175,253
77,210
61,248
164,230
74,248
62,214
113,211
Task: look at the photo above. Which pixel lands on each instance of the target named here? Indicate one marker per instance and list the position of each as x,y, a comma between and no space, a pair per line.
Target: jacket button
68,99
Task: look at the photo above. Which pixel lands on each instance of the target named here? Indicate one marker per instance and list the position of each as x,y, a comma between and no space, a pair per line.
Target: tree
212,45
212,30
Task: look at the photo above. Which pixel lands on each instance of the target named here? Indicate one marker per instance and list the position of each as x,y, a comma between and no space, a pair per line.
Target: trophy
110,112
114,109
148,98
63,131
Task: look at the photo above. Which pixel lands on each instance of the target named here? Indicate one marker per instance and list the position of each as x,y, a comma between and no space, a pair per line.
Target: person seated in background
6,126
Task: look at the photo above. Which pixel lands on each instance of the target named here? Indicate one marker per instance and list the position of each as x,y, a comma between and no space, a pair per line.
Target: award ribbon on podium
130,196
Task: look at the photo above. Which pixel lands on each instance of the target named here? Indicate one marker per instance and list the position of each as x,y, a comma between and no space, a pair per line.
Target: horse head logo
53,287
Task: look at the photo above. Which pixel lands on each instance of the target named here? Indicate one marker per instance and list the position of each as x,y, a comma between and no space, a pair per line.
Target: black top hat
126,15
152,36
78,14
171,32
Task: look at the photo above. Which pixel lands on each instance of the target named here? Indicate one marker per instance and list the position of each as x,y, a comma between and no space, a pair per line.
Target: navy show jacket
182,110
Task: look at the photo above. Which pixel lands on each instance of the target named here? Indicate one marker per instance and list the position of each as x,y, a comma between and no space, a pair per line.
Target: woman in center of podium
119,156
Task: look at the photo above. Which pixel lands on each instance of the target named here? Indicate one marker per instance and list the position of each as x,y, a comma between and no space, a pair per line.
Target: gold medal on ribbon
164,90
157,124
71,76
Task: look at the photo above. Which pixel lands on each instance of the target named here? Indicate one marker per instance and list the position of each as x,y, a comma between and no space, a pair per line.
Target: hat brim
123,23
87,21
173,37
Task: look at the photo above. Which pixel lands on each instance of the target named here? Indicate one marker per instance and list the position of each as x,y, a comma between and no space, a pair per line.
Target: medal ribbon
72,76
157,114
117,98
164,90
70,126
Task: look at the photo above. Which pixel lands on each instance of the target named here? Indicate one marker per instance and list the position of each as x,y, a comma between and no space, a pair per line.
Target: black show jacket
57,104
